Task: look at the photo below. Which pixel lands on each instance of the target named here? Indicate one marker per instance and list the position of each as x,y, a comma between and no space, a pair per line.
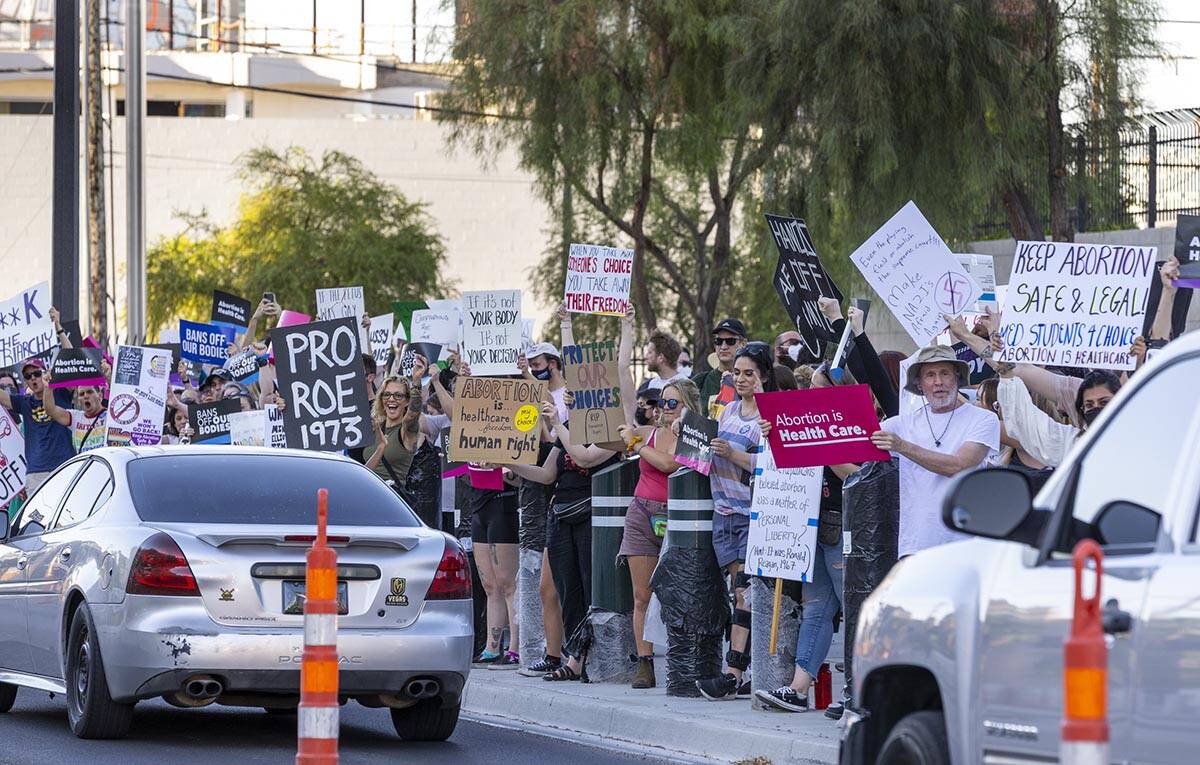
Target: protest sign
25,326
693,448
438,326
12,459
864,305
821,426
292,318
343,303
590,370
800,280
322,379
1076,305
980,370
408,359
784,517
166,335
276,435
982,270
403,311
205,343
1187,251
598,279
230,311
915,274
249,428
210,422
496,420
527,341
138,396
243,366
380,338
492,331
77,366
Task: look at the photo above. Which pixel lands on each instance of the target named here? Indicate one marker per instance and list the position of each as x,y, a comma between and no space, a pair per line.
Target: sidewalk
727,731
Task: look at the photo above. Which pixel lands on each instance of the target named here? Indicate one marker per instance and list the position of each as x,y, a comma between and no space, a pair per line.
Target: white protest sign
137,396
436,325
915,274
276,435
249,428
783,520
25,326
598,279
1076,305
341,303
909,402
526,334
492,331
982,270
381,337
12,459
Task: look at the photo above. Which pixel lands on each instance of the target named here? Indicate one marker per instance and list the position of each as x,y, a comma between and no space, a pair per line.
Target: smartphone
269,296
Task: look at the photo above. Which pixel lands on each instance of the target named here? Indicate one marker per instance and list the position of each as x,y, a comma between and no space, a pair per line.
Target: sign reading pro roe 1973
324,385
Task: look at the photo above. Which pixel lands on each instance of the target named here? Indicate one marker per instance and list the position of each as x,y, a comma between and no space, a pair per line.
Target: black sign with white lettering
800,279
210,422
77,366
230,311
324,385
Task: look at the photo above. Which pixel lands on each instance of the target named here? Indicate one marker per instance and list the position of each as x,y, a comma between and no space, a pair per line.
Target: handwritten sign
437,326
205,343
784,513
276,434
138,396
492,331
800,280
591,373
210,422
12,459
343,303
25,326
496,420
229,311
380,338
598,279
915,274
249,428
1076,305
693,448
982,270
821,426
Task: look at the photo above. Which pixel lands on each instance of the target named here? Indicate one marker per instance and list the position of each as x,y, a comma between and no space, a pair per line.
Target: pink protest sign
492,478
292,318
821,426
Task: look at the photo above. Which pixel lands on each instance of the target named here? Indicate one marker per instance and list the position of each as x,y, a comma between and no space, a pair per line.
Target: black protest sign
243,367
210,422
693,448
1179,309
74,367
230,311
800,279
324,385
864,305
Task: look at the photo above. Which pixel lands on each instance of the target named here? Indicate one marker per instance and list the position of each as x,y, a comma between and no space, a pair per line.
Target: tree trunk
1023,222
94,168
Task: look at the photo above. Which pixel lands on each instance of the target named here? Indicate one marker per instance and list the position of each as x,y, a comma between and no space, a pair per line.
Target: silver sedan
178,572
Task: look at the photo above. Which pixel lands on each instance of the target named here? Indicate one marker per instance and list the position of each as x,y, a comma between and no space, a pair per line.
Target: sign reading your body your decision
492,331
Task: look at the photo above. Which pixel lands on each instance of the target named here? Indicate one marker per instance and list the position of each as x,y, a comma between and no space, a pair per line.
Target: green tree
304,223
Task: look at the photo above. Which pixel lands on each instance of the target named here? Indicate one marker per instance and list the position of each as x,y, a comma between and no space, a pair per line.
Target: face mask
639,415
542,374
1090,416
685,370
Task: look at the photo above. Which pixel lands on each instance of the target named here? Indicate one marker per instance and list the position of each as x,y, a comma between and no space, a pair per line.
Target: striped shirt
731,484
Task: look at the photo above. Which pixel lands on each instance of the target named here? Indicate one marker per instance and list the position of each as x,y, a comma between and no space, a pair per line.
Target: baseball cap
542,349
38,363
731,325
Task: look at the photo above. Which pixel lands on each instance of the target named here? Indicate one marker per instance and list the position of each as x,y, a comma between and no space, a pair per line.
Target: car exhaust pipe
422,688
202,687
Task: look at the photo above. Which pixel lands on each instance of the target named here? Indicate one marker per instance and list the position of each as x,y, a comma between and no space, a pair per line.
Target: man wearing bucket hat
934,443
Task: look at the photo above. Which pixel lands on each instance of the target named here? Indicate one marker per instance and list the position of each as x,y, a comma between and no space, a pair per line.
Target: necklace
937,440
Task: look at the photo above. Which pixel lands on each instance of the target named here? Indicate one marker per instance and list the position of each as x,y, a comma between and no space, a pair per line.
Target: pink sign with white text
821,426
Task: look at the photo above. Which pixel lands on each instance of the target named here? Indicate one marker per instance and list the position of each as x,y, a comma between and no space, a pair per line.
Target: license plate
293,598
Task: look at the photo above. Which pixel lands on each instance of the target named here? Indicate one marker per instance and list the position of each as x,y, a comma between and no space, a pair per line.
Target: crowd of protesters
1022,416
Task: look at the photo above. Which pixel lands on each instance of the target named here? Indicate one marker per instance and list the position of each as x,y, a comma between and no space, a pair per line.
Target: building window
26,107
177,109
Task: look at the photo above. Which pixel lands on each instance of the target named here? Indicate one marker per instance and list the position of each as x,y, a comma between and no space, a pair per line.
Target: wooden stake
775,614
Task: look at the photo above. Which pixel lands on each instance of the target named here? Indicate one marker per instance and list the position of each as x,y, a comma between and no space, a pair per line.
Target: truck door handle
65,554
22,561
1114,620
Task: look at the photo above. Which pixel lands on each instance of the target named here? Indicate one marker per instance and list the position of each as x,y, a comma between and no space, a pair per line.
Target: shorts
496,522
639,537
730,536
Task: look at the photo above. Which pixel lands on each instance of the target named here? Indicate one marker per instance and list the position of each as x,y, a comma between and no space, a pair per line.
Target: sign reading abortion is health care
821,426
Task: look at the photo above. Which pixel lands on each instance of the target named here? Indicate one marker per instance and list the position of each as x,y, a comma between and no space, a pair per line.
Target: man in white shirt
89,425
934,443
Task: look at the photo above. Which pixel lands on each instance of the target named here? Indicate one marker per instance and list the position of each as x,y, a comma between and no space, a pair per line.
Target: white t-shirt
95,429
658,383
921,491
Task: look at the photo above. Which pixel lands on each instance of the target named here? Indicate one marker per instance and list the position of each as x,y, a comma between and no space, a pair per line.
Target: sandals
562,673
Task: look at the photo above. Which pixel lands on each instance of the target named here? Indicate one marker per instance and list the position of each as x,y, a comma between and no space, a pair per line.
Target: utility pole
64,269
97,233
414,31
135,214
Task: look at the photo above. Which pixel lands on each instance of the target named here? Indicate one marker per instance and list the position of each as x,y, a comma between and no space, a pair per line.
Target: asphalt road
36,731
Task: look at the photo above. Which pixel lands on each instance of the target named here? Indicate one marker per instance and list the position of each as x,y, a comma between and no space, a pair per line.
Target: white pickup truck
959,653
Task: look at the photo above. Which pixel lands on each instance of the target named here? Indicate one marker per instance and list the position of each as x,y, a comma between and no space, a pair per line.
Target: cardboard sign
915,274
210,422
249,428
323,382
12,459
77,366
591,374
25,326
1076,305
693,447
205,343
799,280
380,338
438,326
496,420
598,279
492,331
982,270
1187,251
821,426
784,517
230,311
138,396
243,366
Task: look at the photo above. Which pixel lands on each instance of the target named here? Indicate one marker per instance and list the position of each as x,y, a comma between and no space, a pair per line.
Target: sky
1175,82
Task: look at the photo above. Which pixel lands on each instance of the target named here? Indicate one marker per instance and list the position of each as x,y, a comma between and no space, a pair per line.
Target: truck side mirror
992,502
1124,523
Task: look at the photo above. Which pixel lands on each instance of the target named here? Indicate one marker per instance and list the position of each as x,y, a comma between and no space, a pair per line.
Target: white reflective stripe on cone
320,629
690,504
318,722
611,501
675,525
608,520
1083,753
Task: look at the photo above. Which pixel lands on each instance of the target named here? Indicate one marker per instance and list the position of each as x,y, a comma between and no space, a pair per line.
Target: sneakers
720,688
509,660
784,699
542,666
645,673
485,658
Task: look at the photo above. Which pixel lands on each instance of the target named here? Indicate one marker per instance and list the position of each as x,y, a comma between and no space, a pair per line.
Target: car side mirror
993,503
1124,523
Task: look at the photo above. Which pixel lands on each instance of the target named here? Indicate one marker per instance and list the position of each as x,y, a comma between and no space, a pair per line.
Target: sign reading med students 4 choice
821,426
25,326
598,279
492,331
784,517
324,384
800,279
590,370
496,420
137,398
1076,305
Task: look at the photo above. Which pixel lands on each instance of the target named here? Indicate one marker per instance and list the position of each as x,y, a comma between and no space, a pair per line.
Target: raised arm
545,473
876,375
56,412
445,397
1161,328
625,370
64,339
566,330
1043,437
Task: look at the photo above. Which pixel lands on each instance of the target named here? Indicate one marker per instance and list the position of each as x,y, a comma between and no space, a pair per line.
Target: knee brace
741,618
741,581
737,660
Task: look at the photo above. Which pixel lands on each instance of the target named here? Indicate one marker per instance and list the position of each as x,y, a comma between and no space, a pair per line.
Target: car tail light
160,568
453,578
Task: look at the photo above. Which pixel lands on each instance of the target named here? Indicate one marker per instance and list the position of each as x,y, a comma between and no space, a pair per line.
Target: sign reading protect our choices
784,514
492,331
204,343
25,326
821,426
800,280
12,459
598,279
591,373
1076,305
323,382
496,420
915,274
138,396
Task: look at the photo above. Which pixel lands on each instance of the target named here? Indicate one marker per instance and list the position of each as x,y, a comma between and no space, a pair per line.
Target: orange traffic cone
1085,671
317,734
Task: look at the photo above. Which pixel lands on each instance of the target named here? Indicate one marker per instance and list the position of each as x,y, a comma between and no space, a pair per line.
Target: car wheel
918,739
426,720
90,709
8,695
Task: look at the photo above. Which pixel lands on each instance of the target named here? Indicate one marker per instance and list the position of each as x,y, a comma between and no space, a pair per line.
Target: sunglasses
32,375
393,394
649,403
719,341
669,403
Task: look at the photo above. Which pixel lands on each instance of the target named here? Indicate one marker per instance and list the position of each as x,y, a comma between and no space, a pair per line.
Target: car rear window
262,489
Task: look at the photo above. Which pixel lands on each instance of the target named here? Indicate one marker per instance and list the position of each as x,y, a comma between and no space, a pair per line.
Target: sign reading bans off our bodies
324,385
1076,305
591,372
496,420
